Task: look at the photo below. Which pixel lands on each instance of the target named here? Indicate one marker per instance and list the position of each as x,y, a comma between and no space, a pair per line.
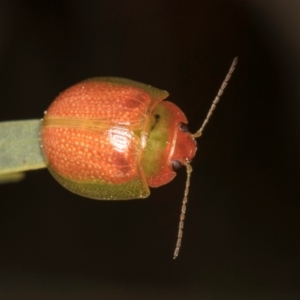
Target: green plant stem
19,148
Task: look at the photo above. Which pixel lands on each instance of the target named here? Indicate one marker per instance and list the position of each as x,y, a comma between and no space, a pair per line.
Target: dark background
241,239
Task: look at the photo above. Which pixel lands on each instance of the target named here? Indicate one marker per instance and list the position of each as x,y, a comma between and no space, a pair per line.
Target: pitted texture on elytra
90,155
104,101
94,134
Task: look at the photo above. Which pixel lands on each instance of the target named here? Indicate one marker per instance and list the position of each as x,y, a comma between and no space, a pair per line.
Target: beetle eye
184,127
176,164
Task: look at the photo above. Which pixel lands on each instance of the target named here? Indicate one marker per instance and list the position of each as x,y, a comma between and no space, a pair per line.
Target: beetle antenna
217,98
189,170
189,167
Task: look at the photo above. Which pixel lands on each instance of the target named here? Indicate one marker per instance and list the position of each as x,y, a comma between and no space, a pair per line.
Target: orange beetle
111,138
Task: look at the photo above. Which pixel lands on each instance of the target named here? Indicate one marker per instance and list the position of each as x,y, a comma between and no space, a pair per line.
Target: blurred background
241,238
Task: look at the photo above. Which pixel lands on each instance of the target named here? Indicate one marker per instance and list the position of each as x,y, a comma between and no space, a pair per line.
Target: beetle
112,138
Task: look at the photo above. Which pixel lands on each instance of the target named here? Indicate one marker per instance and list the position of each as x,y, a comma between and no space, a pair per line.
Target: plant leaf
20,148
12,177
